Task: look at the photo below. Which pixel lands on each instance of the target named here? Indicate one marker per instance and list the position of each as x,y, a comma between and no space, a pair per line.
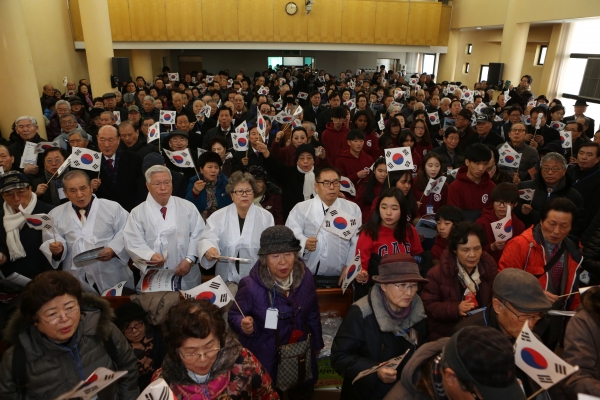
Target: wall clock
291,8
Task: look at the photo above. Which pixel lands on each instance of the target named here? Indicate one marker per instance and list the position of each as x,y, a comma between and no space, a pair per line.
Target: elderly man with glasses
529,155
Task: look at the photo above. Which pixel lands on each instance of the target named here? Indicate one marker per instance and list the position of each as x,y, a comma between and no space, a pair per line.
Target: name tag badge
271,318
430,209
61,193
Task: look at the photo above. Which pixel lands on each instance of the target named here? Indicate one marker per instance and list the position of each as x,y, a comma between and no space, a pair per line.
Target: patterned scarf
143,353
211,197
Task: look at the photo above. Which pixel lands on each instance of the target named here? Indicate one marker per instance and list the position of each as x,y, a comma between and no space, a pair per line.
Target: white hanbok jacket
175,237
103,227
223,233
333,252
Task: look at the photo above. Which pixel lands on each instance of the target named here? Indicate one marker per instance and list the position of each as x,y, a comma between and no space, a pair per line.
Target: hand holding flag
435,186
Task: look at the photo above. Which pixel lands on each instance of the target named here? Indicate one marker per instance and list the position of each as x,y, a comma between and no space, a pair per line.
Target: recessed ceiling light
478,27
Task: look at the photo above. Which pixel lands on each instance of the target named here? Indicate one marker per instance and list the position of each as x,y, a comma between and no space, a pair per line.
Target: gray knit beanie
278,239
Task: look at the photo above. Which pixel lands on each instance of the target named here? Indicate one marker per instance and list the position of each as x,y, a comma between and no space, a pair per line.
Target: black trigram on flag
45,218
405,152
47,226
560,369
352,222
77,152
214,285
502,236
77,163
327,224
333,212
499,225
346,233
96,156
545,379
388,153
108,377
95,166
224,298
390,165
525,337
407,163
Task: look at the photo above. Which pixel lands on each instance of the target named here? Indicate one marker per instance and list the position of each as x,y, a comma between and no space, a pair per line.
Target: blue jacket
253,298
223,199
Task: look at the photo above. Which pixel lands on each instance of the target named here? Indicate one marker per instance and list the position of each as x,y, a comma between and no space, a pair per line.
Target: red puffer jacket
442,295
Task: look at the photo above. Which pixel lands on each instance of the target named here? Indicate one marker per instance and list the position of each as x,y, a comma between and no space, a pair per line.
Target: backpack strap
19,370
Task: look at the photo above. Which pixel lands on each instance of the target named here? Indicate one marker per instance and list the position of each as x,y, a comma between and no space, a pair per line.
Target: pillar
514,42
21,92
97,37
447,63
142,64
556,58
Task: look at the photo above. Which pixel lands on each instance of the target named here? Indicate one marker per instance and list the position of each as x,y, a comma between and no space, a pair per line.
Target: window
542,55
273,61
483,73
467,65
469,48
428,63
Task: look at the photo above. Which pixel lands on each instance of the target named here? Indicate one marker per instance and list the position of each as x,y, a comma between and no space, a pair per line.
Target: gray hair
65,116
29,117
84,135
554,157
419,106
393,107
74,174
446,100
61,102
311,126
240,177
211,101
112,116
148,98
155,169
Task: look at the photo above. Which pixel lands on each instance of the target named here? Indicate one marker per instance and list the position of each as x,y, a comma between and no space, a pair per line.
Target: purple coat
253,298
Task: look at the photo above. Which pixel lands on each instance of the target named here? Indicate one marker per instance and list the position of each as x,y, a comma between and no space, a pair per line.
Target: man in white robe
165,228
86,223
325,253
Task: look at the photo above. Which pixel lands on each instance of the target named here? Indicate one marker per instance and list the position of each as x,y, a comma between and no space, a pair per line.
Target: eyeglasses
198,356
328,184
242,192
553,169
55,161
406,287
500,202
159,184
55,317
137,327
526,317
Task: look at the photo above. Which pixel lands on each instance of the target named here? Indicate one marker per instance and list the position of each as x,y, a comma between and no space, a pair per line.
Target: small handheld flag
210,78
434,118
117,117
322,89
509,157
351,272
167,117
174,76
538,122
261,125
214,290
86,159
159,390
114,291
503,228
43,146
239,138
559,126
181,158
435,186
38,221
351,104
453,173
341,224
398,159
566,139
347,186
297,111
526,194
381,123
284,118
154,132
303,95
480,107
263,90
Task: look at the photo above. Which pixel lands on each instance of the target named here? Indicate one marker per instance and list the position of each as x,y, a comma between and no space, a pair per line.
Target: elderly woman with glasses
387,323
204,361
59,337
279,305
49,188
234,231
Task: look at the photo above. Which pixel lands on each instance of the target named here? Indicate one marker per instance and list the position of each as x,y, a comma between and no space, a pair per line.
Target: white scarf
13,222
471,282
308,190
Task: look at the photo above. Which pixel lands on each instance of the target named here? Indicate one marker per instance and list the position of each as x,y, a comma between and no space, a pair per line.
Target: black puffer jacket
540,197
591,250
367,337
50,366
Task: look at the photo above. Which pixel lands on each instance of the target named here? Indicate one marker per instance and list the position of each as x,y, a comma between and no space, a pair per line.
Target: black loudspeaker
120,66
495,74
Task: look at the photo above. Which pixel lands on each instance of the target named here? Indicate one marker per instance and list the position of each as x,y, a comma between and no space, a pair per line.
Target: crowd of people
516,217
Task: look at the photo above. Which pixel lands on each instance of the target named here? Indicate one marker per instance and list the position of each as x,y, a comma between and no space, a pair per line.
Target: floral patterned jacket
236,375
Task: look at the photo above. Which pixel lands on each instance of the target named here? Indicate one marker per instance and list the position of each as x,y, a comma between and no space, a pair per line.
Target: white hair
155,169
29,117
61,102
146,98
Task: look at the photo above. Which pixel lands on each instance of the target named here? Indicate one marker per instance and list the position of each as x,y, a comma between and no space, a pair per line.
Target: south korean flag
181,158
341,224
566,139
509,157
351,272
214,290
398,159
434,118
526,194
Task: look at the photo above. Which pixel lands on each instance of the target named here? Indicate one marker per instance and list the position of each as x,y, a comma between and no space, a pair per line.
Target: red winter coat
442,295
526,252
334,141
487,217
469,196
434,199
438,247
422,149
350,166
360,199
372,145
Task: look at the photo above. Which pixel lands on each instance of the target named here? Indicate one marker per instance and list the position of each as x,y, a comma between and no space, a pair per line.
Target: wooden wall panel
76,20
289,28
255,20
358,24
120,26
391,22
220,21
184,20
423,23
325,22
147,19
445,18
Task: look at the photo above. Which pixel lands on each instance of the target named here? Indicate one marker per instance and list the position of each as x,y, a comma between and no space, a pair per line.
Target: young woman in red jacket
423,145
431,168
363,121
387,232
368,192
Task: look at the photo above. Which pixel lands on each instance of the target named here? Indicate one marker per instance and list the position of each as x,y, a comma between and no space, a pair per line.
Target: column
556,59
98,43
447,65
141,61
514,42
22,96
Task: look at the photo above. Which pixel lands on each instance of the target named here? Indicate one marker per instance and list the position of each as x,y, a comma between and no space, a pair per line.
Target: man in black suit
485,133
224,128
119,170
314,109
110,104
580,108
